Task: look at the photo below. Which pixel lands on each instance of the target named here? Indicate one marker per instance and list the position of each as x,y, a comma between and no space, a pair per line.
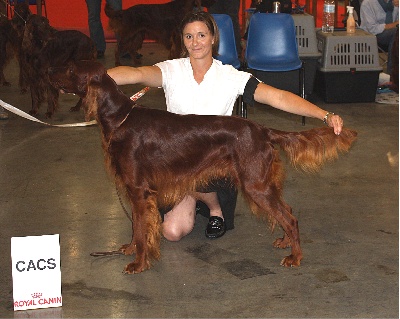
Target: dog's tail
309,150
115,17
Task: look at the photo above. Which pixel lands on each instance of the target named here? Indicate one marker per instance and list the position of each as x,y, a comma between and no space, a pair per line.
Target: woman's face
198,40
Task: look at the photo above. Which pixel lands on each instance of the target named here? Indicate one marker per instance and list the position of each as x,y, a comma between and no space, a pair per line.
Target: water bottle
328,17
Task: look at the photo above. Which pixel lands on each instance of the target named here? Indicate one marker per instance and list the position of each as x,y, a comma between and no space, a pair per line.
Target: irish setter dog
157,158
5,48
18,22
156,21
11,32
44,47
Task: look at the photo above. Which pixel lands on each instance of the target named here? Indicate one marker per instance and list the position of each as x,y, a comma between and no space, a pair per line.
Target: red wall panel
72,14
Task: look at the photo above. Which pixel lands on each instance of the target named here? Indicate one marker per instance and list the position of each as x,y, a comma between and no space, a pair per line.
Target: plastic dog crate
349,67
305,34
307,46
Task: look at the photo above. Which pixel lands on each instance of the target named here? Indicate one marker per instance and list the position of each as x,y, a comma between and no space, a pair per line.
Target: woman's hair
209,21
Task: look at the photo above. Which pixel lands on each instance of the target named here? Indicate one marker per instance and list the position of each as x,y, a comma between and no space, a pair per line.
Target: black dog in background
44,47
11,33
5,49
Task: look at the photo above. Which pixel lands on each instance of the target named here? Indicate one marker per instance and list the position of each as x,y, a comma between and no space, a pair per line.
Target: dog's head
21,15
80,78
36,34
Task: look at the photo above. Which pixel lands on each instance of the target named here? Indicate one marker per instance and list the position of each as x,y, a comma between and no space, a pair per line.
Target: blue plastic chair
272,47
227,52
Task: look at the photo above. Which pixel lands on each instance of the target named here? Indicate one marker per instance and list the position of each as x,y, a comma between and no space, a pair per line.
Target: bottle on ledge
328,17
350,23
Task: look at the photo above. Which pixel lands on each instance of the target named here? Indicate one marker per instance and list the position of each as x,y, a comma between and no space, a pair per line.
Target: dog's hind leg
262,186
283,242
269,205
291,237
133,45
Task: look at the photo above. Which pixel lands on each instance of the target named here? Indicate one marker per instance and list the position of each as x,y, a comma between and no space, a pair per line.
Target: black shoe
215,228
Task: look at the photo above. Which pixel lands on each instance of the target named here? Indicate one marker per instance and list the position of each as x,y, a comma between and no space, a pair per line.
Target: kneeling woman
199,84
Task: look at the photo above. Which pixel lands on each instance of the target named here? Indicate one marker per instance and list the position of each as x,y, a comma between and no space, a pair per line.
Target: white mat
387,98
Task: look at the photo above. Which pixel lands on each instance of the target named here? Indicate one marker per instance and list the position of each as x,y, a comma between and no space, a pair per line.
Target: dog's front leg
128,249
52,101
35,98
116,54
77,107
3,80
146,234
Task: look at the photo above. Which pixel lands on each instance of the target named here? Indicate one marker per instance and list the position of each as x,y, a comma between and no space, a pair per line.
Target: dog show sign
36,272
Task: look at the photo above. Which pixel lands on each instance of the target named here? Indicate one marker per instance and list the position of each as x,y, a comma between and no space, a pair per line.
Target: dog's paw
75,108
128,249
135,268
48,115
33,112
291,261
282,243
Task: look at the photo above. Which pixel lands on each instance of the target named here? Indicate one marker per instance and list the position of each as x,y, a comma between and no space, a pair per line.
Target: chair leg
303,89
238,106
241,107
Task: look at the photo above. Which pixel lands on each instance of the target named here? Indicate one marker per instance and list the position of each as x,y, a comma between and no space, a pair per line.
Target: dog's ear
95,78
89,72
97,71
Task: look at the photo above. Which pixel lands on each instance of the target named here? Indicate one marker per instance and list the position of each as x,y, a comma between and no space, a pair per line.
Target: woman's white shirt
215,95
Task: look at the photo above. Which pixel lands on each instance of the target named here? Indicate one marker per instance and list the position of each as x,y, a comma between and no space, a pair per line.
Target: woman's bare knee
173,233
180,220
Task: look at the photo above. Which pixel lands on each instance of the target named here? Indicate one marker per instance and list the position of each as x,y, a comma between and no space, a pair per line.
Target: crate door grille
302,39
341,54
363,54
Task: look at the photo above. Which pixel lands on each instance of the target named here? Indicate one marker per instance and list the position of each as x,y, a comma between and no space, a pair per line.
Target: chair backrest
271,43
227,52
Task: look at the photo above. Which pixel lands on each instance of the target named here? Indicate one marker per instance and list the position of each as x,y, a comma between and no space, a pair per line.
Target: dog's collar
134,97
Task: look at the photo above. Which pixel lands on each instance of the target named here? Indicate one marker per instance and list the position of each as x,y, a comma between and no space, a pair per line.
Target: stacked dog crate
307,46
349,67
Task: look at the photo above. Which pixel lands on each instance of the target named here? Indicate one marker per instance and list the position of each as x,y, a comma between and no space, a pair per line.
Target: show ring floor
53,181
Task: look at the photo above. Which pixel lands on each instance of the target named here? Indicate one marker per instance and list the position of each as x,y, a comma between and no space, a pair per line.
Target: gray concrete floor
52,181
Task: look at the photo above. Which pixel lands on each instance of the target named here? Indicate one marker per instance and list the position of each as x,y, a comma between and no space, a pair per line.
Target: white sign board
36,272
